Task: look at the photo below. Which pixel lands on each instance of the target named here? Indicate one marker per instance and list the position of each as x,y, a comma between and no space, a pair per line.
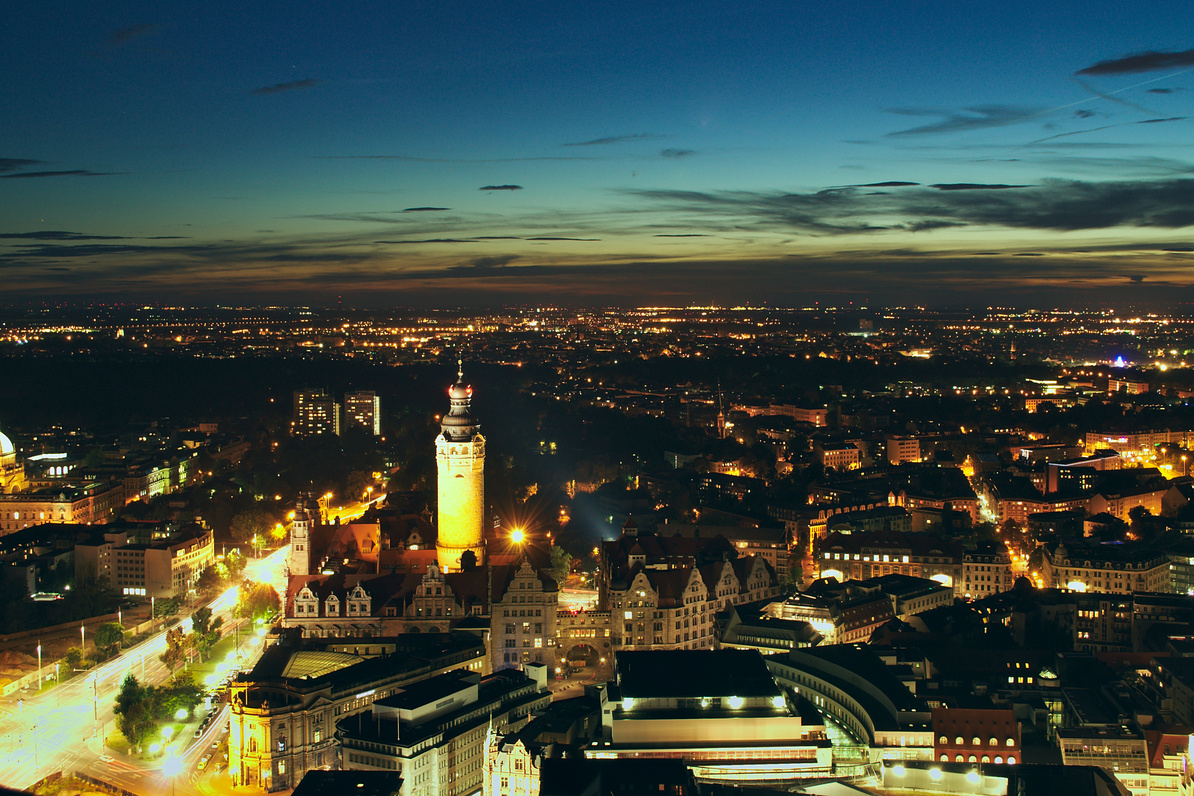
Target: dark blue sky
402,153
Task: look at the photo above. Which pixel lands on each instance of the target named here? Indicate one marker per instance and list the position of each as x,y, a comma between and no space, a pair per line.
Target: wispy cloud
1150,61
498,261
500,188
1107,127
12,164
294,85
1060,205
978,117
676,154
56,235
1111,97
614,139
417,159
123,36
424,209
973,186
20,175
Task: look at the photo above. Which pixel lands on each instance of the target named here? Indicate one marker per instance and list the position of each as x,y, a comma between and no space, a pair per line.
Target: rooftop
694,673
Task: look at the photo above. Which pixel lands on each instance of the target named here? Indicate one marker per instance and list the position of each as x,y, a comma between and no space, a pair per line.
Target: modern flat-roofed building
903,449
435,732
1121,752
363,410
284,712
144,563
720,711
838,455
863,695
315,412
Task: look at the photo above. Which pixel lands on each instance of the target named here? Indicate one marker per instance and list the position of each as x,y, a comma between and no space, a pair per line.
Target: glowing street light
172,767
518,536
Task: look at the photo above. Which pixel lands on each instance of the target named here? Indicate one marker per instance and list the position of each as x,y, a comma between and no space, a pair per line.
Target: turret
300,538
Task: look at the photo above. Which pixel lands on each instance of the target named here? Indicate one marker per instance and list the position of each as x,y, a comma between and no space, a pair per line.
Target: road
63,729
352,511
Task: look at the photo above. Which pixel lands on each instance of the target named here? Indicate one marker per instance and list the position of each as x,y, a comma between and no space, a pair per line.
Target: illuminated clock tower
460,463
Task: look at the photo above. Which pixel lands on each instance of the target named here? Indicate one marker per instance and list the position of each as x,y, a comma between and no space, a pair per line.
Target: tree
181,693
235,562
209,582
165,607
134,710
357,482
73,657
94,458
561,564
108,638
258,600
175,648
247,524
205,631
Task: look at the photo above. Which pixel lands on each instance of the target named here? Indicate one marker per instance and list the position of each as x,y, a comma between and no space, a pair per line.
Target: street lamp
172,767
39,681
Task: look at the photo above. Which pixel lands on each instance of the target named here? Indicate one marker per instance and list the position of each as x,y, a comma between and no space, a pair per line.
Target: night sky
644,153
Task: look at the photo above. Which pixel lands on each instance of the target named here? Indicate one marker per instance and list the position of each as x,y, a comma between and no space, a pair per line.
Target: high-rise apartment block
363,409
315,412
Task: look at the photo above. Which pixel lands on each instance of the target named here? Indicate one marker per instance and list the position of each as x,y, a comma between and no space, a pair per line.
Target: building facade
91,503
1105,569
362,409
285,712
986,572
720,711
12,472
315,412
858,556
662,591
163,567
982,735
436,732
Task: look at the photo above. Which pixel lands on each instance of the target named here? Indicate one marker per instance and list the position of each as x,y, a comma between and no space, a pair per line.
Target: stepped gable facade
663,591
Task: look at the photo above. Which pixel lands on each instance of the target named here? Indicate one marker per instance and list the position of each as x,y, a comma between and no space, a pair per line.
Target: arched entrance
582,656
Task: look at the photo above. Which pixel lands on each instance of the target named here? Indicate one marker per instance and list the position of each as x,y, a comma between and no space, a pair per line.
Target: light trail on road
63,729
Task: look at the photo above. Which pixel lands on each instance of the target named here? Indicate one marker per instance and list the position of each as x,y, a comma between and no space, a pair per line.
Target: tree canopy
258,600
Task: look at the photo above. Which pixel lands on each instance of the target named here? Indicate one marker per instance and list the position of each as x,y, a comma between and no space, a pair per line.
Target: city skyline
668,154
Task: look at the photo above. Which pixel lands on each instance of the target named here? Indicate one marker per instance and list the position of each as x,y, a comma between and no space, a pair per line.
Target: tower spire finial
460,369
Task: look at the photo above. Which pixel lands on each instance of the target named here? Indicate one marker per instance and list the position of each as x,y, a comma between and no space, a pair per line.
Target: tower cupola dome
459,424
